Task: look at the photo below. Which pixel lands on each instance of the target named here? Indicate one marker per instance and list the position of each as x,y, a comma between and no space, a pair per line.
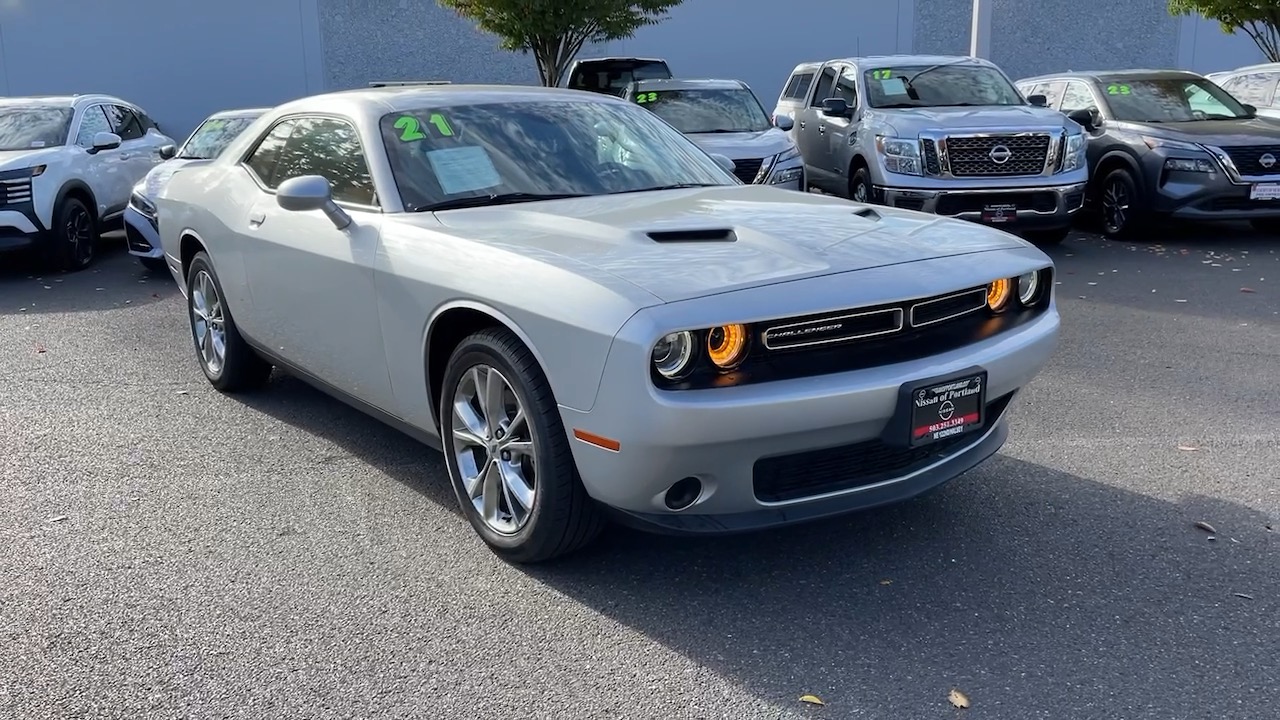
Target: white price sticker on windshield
893,86
463,169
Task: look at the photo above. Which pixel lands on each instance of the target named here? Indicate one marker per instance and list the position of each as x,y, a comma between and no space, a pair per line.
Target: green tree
1259,19
555,30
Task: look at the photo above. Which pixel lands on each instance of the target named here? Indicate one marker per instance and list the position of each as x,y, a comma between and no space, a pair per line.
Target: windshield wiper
894,106
674,186
499,199
708,132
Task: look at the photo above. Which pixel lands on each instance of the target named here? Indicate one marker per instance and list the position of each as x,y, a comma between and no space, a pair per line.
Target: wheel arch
80,190
189,243
1110,161
448,326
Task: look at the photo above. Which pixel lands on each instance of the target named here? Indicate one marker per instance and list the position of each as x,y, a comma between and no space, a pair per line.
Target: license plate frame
1264,192
931,410
999,213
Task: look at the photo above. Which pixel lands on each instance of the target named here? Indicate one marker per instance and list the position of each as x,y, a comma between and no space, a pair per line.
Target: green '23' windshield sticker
646,97
411,129
1117,89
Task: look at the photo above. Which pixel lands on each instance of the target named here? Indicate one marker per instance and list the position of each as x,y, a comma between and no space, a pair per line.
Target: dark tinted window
329,148
705,111
123,122
826,83
24,127
213,136
262,161
612,77
798,87
560,147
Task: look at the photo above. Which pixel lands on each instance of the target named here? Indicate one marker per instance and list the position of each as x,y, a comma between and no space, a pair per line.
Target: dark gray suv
1168,143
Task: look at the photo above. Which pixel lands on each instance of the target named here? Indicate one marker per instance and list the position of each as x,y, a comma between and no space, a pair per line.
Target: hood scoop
868,213
688,236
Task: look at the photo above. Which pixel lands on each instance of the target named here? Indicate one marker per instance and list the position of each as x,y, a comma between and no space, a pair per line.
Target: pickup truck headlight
900,155
1074,153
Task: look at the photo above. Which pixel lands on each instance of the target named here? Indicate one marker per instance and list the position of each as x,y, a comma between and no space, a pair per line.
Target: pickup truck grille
985,156
1248,159
16,191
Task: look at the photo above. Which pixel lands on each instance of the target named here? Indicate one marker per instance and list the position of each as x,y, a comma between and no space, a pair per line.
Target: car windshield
452,155
27,127
707,110
212,137
938,86
1170,100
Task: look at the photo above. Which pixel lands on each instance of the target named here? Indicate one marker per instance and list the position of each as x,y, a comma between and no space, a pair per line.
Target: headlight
38,170
1074,154
673,354
1028,287
142,204
998,294
789,154
727,346
1190,165
900,155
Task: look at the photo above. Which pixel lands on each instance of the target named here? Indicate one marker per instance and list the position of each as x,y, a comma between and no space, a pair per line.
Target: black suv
1168,143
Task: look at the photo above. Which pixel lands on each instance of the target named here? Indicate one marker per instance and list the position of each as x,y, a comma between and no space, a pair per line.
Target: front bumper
142,235
1210,197
1038,207
822,433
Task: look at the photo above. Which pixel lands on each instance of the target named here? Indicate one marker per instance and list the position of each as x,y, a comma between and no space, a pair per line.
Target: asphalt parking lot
171,552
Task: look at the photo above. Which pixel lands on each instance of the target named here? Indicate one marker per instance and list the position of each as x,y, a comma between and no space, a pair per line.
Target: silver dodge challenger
594,319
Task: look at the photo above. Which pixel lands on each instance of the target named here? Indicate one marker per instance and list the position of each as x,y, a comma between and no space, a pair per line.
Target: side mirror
1087,118
104,141
836,107
1038,100
311,192
784,122
167,152
723,161
1253,111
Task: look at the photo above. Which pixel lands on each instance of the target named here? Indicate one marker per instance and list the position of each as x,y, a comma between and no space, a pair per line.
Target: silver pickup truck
942,134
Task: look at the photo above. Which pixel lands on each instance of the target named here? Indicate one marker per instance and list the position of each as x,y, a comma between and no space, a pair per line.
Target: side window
330,148
799,86
1053,90
262,161
123,122
847,87
826,84
1076,97
1254,88
91,123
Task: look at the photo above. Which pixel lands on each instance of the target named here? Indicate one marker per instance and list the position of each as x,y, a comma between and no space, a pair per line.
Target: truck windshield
26,127
1169,100
938,86
693,111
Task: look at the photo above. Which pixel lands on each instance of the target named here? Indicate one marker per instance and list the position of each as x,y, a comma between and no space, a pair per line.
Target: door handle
822,129
801,124
257,218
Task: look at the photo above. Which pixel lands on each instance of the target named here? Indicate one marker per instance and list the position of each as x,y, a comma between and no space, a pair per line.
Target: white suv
67,167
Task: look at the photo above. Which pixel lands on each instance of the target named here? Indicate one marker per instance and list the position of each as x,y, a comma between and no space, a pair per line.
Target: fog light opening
683,493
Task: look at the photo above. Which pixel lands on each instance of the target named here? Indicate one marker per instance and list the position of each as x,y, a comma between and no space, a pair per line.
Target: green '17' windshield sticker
881,74
411,129
1117,89
646,97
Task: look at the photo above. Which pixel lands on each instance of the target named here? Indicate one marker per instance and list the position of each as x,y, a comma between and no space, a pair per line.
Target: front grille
971,155
816,472
931,164
746,170
1248,159
16,191
954,204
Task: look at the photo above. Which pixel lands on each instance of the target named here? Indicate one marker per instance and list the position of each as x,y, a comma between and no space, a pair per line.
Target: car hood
983,117
19,159
746,145
682,244
1252,131
155,179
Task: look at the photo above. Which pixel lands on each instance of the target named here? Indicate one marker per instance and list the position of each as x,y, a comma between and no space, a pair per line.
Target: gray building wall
184,59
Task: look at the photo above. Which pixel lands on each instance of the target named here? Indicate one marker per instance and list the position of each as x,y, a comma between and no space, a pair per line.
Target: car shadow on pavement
116,279
1016,583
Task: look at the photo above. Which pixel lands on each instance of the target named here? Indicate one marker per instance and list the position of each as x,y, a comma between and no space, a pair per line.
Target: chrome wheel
208,320
494,450
1115,206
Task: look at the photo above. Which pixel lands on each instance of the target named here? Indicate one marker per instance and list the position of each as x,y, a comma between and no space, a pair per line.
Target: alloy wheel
860,192
208,319
1115,206
78,233
494,449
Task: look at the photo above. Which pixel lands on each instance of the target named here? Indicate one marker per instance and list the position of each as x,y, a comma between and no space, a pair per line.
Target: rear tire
228,362
508,454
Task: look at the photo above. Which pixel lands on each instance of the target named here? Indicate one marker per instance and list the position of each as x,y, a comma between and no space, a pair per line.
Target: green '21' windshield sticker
1117,89
646,97
411,129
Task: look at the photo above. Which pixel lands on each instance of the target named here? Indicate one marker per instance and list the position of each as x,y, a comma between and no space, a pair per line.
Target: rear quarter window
798,86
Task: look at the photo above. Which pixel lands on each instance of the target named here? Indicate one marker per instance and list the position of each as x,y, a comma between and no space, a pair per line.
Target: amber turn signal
727,346
998,294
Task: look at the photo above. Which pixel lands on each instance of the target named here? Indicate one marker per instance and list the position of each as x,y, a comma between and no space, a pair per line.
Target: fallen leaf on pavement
886,582
60,518
1179,300
1188,448
811,699
1247,290
182,392
958,698
1205,526
41,349
1242,595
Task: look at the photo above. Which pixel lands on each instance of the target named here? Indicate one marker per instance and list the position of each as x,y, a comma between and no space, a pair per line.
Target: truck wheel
860,186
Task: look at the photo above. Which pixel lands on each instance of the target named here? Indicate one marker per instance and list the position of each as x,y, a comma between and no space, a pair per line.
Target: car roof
375,102
1266,67
63,100
905,59
689,84
619,58
238,113
1110,75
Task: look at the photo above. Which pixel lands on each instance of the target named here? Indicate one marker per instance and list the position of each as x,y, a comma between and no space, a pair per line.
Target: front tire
73,240
508,453
228,362
860,186
1121,205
